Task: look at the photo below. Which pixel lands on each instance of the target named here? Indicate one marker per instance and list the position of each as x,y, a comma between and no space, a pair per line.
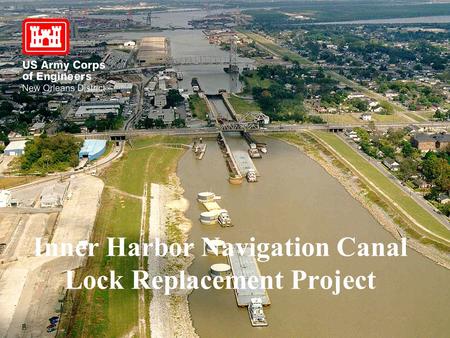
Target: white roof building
15,148
5,198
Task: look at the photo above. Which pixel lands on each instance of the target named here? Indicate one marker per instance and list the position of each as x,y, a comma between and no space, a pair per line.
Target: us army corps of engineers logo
45,36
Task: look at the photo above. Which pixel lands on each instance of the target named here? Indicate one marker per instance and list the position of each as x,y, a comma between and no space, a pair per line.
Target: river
296,197
187,43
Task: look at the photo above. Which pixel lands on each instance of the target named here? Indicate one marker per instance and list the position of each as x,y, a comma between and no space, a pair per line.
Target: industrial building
93,149
97,110
153,50
15,148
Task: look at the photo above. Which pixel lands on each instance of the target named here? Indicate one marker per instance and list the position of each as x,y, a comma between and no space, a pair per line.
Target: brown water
296,197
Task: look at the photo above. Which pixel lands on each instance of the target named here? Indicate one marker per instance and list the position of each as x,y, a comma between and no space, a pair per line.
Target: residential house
391,164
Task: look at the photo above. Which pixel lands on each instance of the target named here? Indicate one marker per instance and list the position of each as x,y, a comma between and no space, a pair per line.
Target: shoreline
359,191
170,316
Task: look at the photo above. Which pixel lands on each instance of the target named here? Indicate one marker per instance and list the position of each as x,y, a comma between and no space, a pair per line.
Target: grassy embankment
114,313
387,189
243,106
314,144
14,181
198,107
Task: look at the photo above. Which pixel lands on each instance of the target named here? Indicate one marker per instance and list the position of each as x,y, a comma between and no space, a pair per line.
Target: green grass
242,106
198,107
388,118
416,117
114,313
256,81
385,185
142,142
278,50
13,181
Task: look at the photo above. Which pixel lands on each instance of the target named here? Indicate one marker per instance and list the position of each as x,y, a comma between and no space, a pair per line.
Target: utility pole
149,19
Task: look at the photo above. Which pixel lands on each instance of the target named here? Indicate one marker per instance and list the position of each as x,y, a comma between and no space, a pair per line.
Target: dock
247,266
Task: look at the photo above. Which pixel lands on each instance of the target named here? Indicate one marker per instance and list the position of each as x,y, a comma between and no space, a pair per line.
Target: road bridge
214,131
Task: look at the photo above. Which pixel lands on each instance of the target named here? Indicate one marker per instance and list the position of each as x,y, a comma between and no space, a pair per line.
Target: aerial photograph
225,169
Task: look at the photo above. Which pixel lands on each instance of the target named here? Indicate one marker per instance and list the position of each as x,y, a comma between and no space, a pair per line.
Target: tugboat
224,219
251,176
253,151
263,150
199,149
256,313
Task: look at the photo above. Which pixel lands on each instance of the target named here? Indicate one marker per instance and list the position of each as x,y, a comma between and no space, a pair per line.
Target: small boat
263,150
224,219
251,176
256,313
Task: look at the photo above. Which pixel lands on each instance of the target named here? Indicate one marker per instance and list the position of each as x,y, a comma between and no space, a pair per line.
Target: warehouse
93,149
15,148
153,50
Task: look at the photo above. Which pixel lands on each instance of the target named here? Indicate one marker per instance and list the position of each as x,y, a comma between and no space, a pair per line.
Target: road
414,195
269,129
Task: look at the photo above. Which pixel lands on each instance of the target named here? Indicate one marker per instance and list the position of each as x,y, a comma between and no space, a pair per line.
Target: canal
296,197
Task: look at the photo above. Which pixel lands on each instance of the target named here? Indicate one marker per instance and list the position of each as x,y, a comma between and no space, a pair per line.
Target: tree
408,168
407,149
45,154
6,108
178,123
159,124
174,98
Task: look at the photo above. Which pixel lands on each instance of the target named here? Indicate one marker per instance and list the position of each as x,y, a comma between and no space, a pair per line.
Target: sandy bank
169,315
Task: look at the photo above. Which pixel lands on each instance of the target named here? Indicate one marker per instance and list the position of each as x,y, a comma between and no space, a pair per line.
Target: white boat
256,313
263,150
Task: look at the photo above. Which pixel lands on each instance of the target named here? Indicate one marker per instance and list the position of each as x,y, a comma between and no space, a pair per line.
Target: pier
247,266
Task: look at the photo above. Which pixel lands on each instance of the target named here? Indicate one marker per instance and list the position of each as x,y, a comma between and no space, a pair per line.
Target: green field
13,181
389,188
114,313
198,107
242,106
275,49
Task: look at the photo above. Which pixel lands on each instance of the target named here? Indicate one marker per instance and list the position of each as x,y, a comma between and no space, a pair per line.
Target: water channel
296,197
